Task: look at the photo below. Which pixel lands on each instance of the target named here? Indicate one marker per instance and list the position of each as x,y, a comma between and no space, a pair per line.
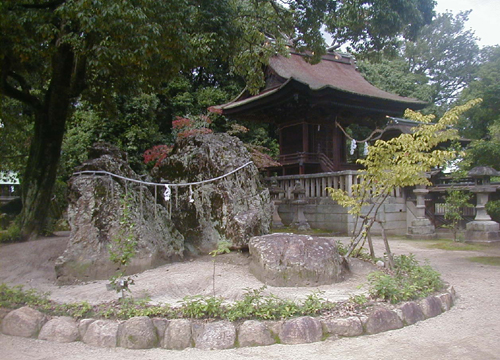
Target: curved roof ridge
335,74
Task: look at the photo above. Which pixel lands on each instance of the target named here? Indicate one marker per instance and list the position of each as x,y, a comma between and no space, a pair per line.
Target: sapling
223,247
397,163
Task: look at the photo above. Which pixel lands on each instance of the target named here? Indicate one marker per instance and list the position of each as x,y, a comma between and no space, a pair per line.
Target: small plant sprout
122,249
456,201
223,247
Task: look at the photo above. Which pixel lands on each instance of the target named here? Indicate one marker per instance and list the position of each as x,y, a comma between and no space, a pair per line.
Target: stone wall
178,334
324,213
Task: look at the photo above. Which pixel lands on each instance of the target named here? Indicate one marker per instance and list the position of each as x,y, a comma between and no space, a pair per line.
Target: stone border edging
178,334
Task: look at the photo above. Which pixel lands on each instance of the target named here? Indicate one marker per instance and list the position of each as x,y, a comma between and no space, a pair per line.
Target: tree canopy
56,54
435,67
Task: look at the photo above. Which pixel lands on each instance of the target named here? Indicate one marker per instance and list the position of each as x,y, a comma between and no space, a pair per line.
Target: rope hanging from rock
191,200
167,193
172,185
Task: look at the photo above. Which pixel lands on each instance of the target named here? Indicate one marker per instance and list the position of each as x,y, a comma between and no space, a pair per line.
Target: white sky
484,19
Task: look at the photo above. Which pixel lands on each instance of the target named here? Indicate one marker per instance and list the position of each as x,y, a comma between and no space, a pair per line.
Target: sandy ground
471,330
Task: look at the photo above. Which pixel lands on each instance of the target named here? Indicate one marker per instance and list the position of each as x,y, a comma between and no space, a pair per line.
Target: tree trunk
45,150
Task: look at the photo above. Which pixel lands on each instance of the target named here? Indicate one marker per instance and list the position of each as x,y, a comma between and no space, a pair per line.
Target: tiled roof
335,72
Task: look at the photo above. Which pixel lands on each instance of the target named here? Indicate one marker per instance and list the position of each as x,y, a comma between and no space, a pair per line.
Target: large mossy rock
296,260
232,209
103,209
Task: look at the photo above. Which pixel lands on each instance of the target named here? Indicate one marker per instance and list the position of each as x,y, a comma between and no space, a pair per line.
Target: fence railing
315,184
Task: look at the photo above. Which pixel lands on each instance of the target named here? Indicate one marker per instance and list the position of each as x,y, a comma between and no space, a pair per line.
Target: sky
484,19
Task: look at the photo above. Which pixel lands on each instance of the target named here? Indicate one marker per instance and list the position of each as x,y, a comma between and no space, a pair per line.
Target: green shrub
408,281
493,209
199,306
12,234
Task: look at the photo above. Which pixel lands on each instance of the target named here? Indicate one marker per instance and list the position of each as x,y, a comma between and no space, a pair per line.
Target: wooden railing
324,161
298,157
315,184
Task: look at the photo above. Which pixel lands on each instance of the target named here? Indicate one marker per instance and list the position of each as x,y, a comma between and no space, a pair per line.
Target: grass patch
456,246
486,260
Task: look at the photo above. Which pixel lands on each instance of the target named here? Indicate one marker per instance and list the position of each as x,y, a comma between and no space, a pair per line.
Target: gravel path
470,330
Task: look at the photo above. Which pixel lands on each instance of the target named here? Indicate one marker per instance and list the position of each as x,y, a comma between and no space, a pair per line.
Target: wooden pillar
305,137
337,147
305,148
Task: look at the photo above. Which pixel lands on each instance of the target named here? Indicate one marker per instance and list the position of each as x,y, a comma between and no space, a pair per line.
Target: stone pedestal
421,227
482,229
299,219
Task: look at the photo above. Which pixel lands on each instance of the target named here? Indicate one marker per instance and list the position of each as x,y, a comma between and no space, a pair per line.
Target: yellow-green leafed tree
400,162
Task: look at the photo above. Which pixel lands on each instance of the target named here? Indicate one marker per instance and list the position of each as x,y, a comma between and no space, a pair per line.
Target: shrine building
311,105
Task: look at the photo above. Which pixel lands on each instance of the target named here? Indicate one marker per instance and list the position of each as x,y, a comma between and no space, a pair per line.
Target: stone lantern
482,228
299,201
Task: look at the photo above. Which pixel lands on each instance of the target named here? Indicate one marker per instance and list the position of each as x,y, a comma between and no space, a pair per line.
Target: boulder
24,322
381,320
103,209
102,333
301,330
411,313
233,208
161,326
254,333
62,329
431,306
83,325
446,301
350,326
214,336
296,260
137,333
178,334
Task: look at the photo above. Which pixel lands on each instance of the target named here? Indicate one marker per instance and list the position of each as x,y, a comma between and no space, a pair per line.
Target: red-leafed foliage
181,128
184,127
191,132
157,153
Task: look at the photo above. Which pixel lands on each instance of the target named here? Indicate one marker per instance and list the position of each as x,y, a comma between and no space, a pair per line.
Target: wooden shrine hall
311,105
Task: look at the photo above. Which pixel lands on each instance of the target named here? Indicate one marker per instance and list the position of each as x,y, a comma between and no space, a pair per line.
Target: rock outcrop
103,209
232,209
296,260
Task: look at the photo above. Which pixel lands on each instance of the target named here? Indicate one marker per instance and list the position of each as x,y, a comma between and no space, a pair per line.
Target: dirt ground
470,330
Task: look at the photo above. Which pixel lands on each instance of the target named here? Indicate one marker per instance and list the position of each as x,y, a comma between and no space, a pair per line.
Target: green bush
408,281
493,209
12,234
